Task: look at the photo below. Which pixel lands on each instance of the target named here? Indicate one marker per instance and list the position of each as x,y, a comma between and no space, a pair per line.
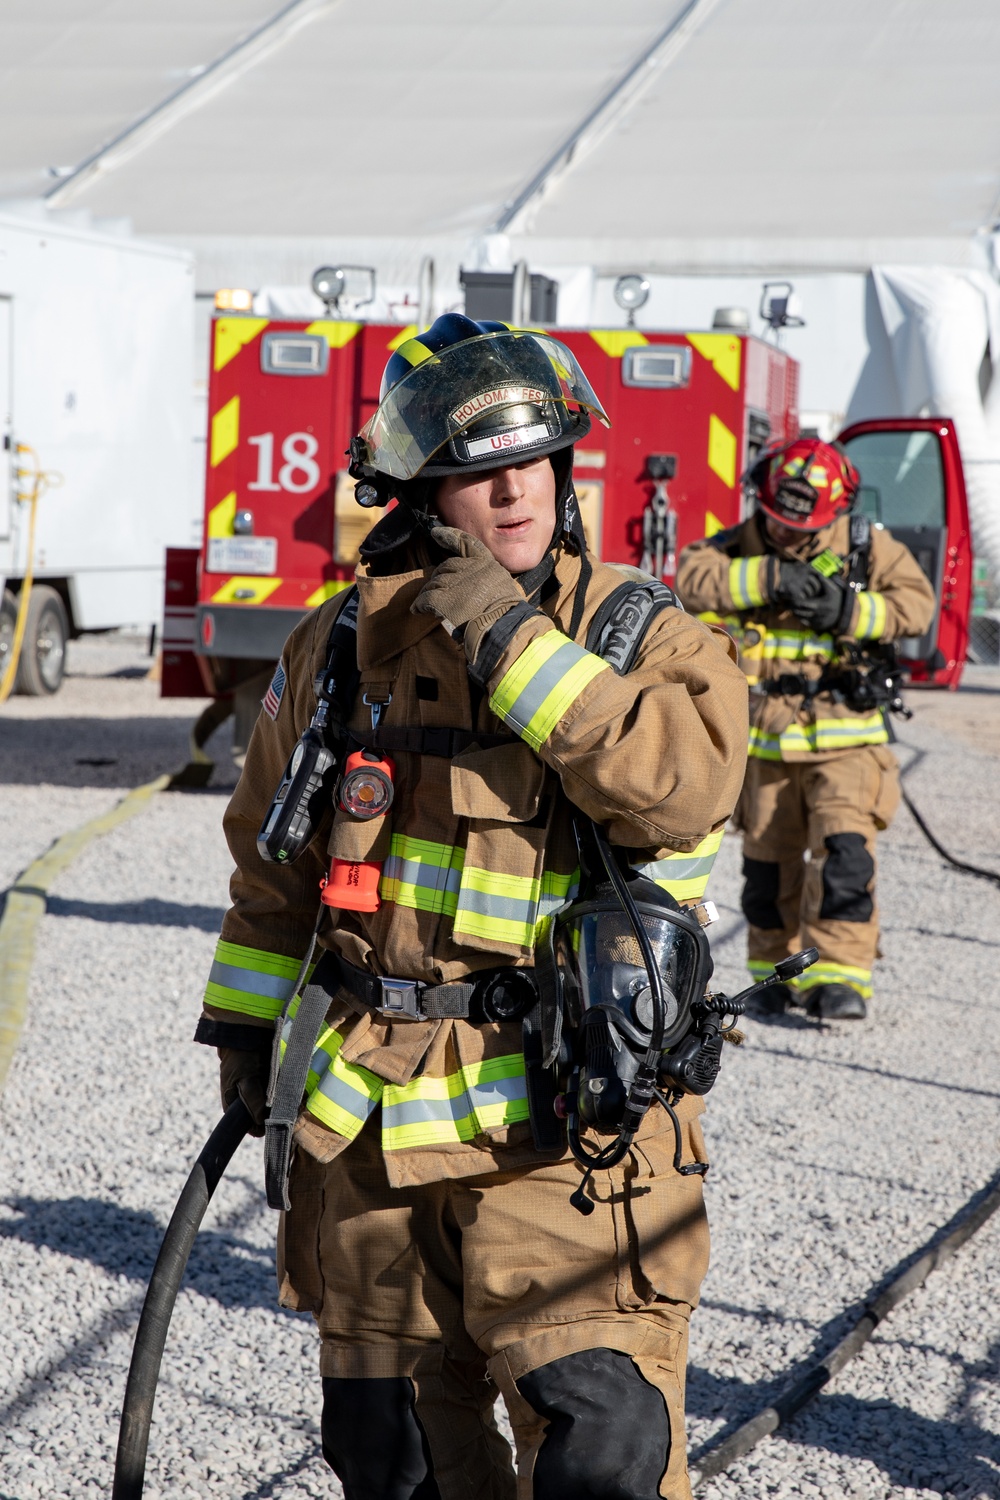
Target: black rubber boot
373,1441
835,1002
608,1436
774,1000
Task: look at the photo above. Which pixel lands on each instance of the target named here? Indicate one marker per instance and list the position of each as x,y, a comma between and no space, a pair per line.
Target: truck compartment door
912,482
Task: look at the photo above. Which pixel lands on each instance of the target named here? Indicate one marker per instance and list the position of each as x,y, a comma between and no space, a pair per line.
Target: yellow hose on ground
40,482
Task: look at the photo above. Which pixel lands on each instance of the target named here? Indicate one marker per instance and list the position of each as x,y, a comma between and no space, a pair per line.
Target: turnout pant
809,832
433,1299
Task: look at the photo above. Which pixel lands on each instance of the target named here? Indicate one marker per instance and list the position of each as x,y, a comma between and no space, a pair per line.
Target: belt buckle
400,997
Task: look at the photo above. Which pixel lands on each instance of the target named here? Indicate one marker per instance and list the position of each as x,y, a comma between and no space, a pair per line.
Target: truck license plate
243,554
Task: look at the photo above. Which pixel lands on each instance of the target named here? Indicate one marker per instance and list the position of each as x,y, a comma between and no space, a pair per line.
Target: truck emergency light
631,292
234,299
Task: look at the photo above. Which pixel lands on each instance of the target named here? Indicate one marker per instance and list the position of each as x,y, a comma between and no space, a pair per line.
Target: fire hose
164,1284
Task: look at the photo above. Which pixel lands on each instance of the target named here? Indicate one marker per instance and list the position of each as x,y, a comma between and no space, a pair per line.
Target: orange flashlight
365,792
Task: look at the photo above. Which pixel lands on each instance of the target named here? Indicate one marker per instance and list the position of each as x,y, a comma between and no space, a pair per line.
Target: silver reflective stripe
250,981
458,1107
678,869
487,904
434,877
351,1101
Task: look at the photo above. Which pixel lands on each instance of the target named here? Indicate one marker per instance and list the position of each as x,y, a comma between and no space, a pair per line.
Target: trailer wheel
43,654
8,620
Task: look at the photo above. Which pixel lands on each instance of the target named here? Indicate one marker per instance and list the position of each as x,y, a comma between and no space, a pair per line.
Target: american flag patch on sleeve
271,700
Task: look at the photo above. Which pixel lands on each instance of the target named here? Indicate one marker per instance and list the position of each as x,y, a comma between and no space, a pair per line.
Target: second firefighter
812,591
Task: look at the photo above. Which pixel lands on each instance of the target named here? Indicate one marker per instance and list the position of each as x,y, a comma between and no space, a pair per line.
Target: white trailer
96,353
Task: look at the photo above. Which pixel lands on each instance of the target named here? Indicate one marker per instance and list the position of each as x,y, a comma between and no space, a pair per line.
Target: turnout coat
477,850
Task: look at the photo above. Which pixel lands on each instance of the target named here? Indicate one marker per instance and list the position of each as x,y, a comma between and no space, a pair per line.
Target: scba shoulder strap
859,557
622,620
729,540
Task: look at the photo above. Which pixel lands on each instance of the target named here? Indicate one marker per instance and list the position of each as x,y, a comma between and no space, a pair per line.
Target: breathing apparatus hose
164,1284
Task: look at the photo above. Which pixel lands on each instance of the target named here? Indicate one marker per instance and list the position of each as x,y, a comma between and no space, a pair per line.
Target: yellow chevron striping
721,451
712,523
221,516
722,350
336,333
327,591
225,431
401,337
251,590
230,336
614,341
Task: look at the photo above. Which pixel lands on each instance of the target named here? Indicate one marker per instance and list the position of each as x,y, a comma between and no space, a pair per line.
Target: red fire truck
688,413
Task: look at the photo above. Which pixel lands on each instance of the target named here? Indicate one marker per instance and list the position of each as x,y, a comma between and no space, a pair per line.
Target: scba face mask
607,995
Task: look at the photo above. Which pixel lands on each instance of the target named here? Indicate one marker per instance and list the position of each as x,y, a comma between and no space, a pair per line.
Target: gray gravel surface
837,1152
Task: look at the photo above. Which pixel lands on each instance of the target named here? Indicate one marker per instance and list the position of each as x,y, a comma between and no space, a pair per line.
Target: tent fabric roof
810,132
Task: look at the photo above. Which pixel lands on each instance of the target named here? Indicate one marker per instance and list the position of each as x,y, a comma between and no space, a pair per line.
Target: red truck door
912,482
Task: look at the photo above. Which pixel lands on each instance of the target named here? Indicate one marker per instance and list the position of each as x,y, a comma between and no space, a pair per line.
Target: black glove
246,1075
817,601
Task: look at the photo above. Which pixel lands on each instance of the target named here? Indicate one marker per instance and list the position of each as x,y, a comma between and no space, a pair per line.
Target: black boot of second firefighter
835,1002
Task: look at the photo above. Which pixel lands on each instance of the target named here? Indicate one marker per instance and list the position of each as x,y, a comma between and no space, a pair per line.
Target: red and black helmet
805,484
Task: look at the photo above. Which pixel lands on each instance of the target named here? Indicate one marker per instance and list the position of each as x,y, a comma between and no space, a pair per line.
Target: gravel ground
837,1152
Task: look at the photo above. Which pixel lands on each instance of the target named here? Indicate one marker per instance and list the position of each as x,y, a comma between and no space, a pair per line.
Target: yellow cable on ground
40,482
26,906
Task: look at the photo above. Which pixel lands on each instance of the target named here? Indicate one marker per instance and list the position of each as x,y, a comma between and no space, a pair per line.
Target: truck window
902,480
662,366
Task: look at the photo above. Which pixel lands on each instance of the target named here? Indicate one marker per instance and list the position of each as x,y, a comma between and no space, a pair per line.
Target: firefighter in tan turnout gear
430,1230
812,591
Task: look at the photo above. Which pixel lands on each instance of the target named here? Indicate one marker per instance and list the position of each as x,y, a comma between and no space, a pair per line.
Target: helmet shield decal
493,398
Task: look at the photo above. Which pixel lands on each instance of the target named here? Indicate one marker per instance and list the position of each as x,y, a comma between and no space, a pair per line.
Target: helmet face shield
601,966
495,399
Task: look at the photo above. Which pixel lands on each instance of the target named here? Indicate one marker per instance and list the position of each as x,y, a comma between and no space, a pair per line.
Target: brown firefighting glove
245,1074
470,591
817,601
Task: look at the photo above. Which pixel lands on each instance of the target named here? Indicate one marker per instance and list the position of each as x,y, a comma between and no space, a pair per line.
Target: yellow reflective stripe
547,678
796,645
871,616
833,973
492,905
414,352
685,876
745,576
822,735
455,1109
250,980
422,875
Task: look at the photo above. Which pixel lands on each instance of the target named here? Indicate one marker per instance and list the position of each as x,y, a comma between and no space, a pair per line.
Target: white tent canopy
707,143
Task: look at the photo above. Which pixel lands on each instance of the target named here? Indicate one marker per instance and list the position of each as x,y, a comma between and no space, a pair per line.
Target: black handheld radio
306,789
